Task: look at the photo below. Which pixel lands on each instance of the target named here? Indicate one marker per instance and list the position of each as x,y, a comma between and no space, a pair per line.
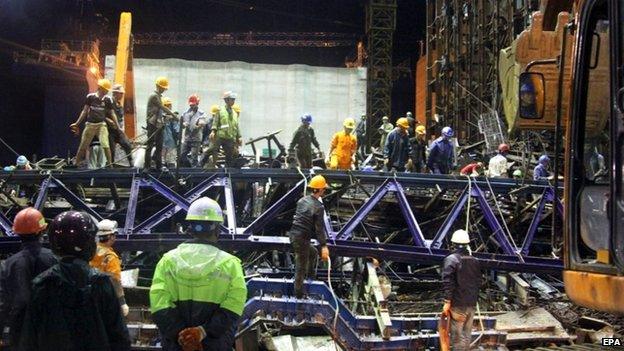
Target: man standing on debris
498,167
116,130
461,279
418,155
157,115
303,140
97,112
17,272
107,261
309,223
343,147
73,306
385,128
171,136
198,291
541,170
360,132
193,122
225,131
397,149
441,154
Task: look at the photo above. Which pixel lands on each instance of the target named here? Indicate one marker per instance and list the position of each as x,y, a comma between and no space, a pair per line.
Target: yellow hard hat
236,108
402,122
349,123
104,84
318,182
166,101
162,82
422,130
214,109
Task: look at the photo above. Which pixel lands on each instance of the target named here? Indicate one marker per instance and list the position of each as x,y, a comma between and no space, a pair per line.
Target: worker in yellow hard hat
343,147
171,136
309,223
418,157
397,149
157,116
208,158
97,112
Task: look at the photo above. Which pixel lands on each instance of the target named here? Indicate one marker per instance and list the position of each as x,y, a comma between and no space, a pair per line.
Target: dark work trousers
361,141
305,260
154,141
305,159
461,327
189,154
117,136
229,148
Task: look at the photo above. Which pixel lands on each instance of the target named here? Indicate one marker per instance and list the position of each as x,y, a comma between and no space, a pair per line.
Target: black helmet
72,233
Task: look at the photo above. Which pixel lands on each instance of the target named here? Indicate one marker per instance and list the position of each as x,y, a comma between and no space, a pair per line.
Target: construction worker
473,169
17,272
461,279
541,170
418,155
303,140
157,116
385,128
22,163
116,133
225,131
498,167
208,156
308,223
98,113
171,136
198,291
343,147
107,261
360,132
441,153
73,306
397,149
193,121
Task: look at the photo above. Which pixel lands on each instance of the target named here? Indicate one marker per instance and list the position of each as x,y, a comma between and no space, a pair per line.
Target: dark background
37,102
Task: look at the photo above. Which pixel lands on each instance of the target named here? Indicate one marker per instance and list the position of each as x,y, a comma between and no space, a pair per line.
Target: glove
324,254
446,309
125,309
190,338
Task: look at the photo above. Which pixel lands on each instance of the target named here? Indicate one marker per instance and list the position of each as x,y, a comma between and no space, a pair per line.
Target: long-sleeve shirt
397,148
498,166
540,172
193,131
461,279
155,110
225,124
441,156
309,219
384,130
303,139
360,130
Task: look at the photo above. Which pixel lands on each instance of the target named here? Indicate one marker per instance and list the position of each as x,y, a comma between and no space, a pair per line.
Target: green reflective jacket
197,284
226,125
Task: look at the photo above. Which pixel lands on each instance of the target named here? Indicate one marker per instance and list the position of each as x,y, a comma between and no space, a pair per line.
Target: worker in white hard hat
106,259
225,131
461,278
198,291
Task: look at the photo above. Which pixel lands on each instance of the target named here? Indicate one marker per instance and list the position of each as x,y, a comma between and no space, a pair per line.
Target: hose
305,182
331,289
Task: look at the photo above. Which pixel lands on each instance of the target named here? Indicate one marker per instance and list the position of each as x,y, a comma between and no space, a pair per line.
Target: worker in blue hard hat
302,142
541,170
198,291
461,280
22,163
442,153
528,108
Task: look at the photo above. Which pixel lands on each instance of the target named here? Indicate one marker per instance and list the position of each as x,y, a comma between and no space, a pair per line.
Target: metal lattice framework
399,218
464,38
380,26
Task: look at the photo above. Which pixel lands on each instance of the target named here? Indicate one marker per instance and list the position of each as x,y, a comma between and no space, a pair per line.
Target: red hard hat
503,148
193,99
29,221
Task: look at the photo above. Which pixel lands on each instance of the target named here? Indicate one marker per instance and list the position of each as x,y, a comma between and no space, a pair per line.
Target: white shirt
498,166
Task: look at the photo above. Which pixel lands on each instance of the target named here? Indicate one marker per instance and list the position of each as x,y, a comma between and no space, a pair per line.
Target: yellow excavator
585,97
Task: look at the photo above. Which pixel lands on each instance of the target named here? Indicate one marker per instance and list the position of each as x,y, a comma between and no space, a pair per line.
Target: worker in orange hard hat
309,223
17,272
343,147
193,122
157,116
98,113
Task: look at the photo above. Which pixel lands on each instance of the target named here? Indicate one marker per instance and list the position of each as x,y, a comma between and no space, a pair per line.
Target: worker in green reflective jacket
198,291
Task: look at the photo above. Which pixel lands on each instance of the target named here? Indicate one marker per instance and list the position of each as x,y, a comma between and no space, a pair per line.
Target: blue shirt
540,172
397,148
441,153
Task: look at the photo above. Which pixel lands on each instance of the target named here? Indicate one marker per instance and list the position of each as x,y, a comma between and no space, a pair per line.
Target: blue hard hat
527,88
307,118
21,161
544,159
447,132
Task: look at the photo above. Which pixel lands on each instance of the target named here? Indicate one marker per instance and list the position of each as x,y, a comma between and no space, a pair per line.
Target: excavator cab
594,180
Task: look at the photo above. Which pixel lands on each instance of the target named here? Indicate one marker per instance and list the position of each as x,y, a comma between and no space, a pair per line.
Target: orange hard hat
318,182
29,221
193,99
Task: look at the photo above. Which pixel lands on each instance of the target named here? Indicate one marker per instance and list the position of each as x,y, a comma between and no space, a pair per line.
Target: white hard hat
461,237
229,95
205,209
106,227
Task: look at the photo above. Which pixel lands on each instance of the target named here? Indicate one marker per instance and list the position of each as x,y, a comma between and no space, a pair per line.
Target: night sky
26,22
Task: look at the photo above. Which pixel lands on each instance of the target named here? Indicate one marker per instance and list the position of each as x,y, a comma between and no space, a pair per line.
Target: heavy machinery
594,180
